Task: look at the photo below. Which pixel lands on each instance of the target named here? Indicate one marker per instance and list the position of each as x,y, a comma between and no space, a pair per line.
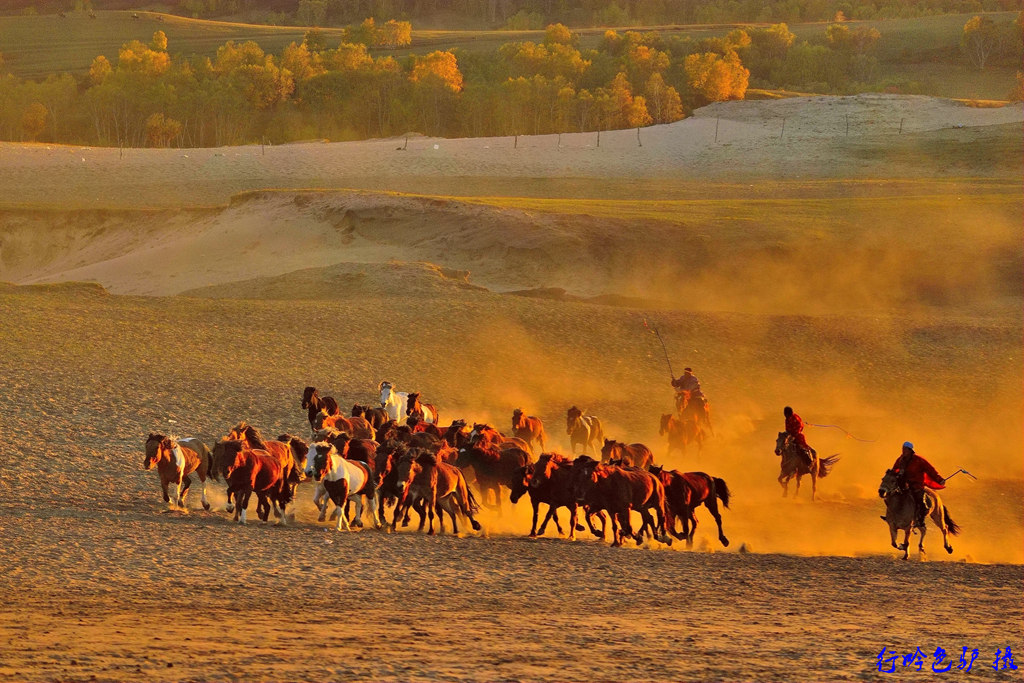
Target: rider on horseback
687,382
916,473
795,428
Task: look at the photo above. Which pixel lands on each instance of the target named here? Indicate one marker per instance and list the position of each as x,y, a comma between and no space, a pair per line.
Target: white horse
394,402
343,480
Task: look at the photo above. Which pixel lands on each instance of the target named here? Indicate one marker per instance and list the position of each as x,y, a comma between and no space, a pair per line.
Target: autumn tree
161,130
436,82
979,40
663,101
715,78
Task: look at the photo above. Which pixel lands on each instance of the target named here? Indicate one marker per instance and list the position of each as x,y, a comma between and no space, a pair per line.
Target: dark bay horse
899,514
684,493
619,490
548,481
313,404
493,466
528,428
585,430
176,463
795,463
695,407
633,455
375,416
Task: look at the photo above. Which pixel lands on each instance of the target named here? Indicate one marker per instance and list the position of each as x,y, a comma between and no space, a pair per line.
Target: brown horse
176,463
251,437
681,432
313,404
256,470
585,430
425,412
684,493
899,514
619,490
794,462
375,416
494,467
696,407
486,434
529,429
548,481
633,455
442,487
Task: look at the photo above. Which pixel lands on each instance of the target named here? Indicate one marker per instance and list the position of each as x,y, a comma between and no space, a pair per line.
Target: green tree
161,131
980,38
33,120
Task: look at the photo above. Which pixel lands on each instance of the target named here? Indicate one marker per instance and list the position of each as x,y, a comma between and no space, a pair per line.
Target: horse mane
556,458
254,437
426,458
330,405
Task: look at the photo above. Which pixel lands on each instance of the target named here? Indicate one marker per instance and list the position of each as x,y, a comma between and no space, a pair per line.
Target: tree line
148,97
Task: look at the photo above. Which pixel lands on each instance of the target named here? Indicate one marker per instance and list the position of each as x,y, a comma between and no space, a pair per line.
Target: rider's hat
687,369
907,444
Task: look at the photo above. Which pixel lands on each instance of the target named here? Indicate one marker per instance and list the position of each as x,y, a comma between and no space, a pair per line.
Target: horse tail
286,491
207,458
953,527
722,491
825,465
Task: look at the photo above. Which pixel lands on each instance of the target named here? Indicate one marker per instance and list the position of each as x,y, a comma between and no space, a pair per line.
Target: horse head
408,468
781,442
385,391
890,484
572,416
584,476
152,445
520,482
309,397
610,449
413,403
517,418
319,459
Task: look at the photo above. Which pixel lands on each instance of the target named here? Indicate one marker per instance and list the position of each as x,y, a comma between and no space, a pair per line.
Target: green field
922,50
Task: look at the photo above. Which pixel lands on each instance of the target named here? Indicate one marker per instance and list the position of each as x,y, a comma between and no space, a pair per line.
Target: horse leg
202,484
784,483
796,494
341,501
242,503
186,482
892,533
320,500
573,511
553,516
814,481
712,504
430,505
375,502
692,514
920,542
536,509
590,523
938,516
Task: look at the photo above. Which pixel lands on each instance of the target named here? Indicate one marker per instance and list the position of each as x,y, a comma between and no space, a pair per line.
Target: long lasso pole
672,375
848,434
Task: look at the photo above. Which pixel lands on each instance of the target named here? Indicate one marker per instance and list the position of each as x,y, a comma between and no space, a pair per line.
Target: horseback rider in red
916,473
795,428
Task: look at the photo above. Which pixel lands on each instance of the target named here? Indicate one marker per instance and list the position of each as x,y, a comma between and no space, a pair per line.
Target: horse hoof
949,549
725,541
206,506
476,525
322,518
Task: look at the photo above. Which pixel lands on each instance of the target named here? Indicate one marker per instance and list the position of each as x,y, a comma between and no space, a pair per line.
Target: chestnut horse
426,412
251,437
441,486
681,432
694,405
794,462
494,467
633,455
529,429
684,493
583,429
619,490
256,470
176,463
486,434
548,481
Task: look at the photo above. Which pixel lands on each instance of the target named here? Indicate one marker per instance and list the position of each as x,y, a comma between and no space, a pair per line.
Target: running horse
313,404
684,493
631,455
176,463
424,412
691,406
583,429
795,463
529,429
899,514
396,403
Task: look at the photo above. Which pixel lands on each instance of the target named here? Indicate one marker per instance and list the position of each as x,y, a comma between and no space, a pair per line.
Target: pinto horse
494,467
632,455
548,481
619,490
529,429
176,462
425,412
684,493
899,514
256,470
344,480
794,462
313,404
440,486
395,403
585,430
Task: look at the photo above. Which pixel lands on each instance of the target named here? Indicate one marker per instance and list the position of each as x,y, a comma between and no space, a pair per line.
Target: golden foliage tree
716,77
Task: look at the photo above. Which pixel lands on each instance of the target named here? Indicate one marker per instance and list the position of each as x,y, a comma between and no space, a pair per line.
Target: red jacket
918,472
795,428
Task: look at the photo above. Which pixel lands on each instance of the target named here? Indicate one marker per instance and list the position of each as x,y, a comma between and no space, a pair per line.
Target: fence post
515,145
847,125
638,143
598,137
783,133
716,128
901,126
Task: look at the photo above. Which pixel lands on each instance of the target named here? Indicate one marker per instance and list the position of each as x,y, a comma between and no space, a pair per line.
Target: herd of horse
397,455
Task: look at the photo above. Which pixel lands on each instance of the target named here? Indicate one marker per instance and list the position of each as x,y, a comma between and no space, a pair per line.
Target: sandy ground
341,290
